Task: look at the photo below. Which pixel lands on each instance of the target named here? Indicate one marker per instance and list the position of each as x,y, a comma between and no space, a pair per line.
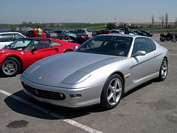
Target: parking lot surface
149,108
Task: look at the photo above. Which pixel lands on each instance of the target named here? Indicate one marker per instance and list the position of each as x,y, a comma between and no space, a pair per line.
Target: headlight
76,78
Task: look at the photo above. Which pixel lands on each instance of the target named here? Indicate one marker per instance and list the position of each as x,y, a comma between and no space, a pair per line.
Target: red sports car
23,52
33,33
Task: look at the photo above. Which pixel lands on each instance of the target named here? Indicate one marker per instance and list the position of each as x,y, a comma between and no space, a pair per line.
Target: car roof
35,38
10,32
122,35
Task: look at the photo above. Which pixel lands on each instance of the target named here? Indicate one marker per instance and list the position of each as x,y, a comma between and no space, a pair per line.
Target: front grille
43,93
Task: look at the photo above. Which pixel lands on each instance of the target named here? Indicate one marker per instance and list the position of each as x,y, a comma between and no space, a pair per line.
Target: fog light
61,96
75,95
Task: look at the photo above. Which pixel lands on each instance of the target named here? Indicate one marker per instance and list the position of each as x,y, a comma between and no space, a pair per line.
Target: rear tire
163,70
10,67
112,92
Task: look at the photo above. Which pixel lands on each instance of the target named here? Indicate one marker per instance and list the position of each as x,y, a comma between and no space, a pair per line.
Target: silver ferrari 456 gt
100,71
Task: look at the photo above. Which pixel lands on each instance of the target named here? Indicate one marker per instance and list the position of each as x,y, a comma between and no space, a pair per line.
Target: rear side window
39,44
55,43
6,38
152,43
17,36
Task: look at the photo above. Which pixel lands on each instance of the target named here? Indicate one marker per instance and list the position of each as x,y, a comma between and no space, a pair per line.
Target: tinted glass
59,32
39,44
108,45
152,44
17,36
141,44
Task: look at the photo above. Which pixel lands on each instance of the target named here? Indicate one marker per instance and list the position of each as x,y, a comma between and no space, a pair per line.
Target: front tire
10,67
163,70
66,37
162,39
112,92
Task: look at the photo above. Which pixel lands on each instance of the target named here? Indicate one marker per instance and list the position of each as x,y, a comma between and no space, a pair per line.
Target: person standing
39,31
126,30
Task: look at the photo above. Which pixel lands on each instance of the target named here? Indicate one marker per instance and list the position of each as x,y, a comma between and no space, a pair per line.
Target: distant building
23,29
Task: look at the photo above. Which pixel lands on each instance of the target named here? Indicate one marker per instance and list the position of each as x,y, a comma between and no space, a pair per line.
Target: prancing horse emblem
36,92
40,77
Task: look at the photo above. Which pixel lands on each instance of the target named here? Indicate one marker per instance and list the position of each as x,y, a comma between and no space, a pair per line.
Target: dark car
149,34
103,32
139,32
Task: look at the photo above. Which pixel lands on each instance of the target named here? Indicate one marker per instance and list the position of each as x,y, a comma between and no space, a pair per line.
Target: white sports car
100,71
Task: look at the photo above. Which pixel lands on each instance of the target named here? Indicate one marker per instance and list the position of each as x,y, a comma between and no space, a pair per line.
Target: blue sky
89,11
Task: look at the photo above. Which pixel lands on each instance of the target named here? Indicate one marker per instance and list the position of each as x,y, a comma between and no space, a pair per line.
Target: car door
144,66
38,50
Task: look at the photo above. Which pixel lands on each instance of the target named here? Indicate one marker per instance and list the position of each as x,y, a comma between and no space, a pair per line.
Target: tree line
163,21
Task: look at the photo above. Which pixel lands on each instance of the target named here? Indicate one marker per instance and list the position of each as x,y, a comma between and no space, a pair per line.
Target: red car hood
4,50
64,42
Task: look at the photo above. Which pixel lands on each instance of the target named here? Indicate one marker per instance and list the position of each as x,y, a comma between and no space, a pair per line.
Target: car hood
53,70
4,50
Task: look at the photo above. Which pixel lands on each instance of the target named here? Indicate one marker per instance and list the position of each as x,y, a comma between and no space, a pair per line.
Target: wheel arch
68,50
122,76
165,58
104,102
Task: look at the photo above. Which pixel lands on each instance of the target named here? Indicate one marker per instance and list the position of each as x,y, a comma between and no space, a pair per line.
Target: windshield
51,31
108,45
19,44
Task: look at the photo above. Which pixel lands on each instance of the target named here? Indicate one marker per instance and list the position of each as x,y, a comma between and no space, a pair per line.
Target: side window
60,32
55,44
82,31
152,43
141,44
17,36
6,38
42,44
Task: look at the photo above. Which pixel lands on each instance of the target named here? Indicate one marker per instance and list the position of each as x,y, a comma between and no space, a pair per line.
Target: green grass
78,26
164,30
97,26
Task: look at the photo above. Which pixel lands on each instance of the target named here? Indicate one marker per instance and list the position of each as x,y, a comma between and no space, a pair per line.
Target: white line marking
69,121
172,54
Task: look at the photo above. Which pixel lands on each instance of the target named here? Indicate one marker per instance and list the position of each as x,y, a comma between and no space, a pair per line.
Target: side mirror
139,53
7,46
34,49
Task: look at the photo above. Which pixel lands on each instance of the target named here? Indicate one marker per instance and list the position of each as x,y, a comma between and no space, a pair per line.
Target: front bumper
73,98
